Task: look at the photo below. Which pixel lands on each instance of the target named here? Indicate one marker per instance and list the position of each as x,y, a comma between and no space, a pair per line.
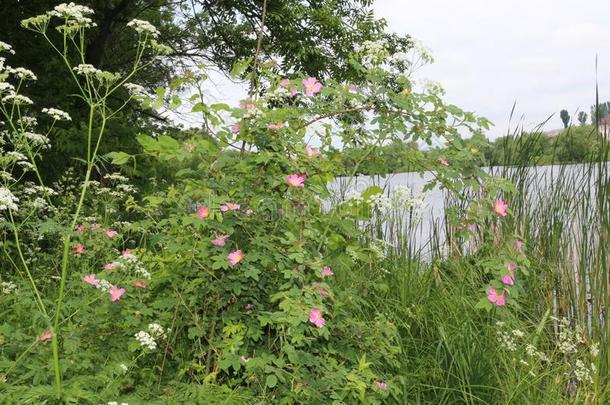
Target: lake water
537,183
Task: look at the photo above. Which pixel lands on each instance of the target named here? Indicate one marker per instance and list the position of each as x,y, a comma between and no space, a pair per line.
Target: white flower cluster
568,338
76,14
6,88
7,287
18,99
149,339
86,69
23,73
4,47
123,367
594,350
27,122
374,53
381,203
37,139
135,89
506,338
532,351
137,266
8,200
378,248
143,27
103,285
583,373
57,114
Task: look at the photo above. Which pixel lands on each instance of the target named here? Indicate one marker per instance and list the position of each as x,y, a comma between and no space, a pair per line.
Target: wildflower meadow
217,264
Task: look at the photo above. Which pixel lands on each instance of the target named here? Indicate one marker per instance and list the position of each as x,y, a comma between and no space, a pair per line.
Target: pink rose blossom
235,128
500,208
220,240
315,317
140,284
381,385
507,279
519,246
229,207
79,249
203,212
95,226
312,152
280,125
495,298
116,293
295,180
45,336
247,104
80,228
312,86
235,257
511,268
91,279
352,88
111,266
127,253
111,233
284,82
443,161
327,272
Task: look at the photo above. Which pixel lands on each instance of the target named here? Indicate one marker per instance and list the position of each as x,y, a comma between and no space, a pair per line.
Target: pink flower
315,317
443,161
116,293
295,180
127,253
235,128
79,249
312,86
248,307
111,233
277,126
293,91
284,82
220,240
91,279
235,257
140,284
203,212
229,207
247,104
511,268
327,272
45,336
312,152
494,297
80,228
352,88
519,246
381,385
500,208
507,279
95,226
322,291
111,266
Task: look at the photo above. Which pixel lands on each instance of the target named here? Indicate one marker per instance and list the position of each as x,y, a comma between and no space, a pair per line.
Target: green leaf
119,158
271,381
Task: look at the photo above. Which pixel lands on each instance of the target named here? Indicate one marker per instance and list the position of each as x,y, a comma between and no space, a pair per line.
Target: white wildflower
23,74
4,47
582,372
104,285
8,200
6,88
86,69
7,287
594,350
36,139
74,12
18,99
143,27
57,114
146,340
135,89
123,367
156,330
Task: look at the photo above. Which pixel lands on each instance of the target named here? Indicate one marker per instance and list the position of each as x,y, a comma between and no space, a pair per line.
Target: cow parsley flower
23,74
57,114
4,47
74,12
6,88
7,287
36,139
18,99
135,89
143,27
8,200
86,69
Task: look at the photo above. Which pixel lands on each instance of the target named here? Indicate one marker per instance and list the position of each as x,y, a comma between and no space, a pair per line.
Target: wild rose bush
231,278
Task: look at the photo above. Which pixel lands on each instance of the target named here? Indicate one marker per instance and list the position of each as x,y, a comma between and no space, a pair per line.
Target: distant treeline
571,145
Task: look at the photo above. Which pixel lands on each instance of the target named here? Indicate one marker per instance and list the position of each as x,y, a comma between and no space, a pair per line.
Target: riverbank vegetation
216,265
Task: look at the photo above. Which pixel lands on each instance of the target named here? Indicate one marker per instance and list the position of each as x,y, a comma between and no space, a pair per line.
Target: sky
490,54
538,55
